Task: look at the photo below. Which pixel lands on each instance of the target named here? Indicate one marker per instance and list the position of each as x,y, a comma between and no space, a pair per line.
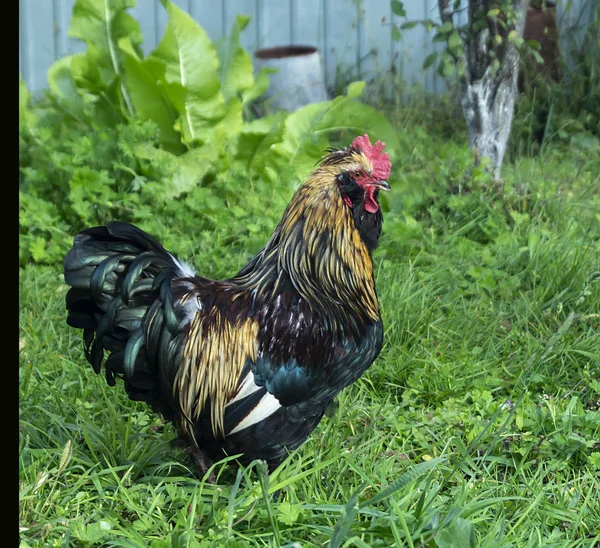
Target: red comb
380,162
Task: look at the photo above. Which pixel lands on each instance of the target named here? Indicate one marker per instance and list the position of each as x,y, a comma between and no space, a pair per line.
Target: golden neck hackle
322,249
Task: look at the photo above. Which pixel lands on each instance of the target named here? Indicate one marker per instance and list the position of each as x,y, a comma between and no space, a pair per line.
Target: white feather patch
267,405
183,269
247,387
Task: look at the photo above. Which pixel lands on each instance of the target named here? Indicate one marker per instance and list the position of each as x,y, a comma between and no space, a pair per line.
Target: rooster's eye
357,174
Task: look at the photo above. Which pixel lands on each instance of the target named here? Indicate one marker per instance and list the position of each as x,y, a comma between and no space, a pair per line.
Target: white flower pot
299,79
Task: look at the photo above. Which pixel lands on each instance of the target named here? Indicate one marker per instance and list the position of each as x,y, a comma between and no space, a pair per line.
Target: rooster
245,366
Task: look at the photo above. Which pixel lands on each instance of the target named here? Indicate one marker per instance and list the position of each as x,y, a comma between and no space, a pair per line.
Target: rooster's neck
318,247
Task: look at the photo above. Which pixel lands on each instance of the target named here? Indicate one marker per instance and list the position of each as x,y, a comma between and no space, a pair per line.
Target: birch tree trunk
488,83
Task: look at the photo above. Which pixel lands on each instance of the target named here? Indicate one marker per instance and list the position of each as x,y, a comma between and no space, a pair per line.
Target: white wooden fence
354,36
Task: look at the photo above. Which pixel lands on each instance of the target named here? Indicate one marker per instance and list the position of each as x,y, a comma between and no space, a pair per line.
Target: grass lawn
479,424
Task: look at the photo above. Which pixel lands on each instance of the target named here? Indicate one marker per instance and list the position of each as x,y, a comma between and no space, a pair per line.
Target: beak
381,185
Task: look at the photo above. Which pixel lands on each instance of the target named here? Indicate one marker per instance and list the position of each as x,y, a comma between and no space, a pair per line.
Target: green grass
478,425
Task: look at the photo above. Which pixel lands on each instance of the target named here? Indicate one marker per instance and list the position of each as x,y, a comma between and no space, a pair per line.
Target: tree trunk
488,106
488,83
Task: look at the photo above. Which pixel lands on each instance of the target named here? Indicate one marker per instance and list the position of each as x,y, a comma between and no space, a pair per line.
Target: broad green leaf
355,89
447,27
103,22
60,79
355,118
100,24
430,59
455,42
256,139
445,69
236,73
149,98
301,145
446,66
229,127
261,84
76,83
398,8
409,25
307,130
396,34
61,82
186,63
86,73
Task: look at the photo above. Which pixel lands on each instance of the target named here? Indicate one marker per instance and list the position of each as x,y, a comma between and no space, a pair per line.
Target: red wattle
370,203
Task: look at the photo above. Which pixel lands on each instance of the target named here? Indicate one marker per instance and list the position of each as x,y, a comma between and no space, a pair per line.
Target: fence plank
38,45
